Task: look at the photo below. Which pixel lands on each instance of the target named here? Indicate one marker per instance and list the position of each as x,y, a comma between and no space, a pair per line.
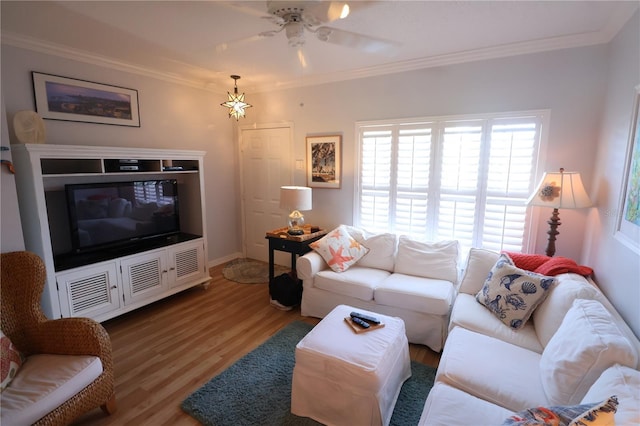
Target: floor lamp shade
294,199
559,190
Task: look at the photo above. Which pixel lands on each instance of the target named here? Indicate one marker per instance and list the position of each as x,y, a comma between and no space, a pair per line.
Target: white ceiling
177,40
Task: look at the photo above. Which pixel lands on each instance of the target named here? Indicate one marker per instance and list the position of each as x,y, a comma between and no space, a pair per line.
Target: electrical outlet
299,164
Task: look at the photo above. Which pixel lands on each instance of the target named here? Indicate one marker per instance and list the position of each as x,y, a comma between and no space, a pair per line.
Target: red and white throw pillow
10,361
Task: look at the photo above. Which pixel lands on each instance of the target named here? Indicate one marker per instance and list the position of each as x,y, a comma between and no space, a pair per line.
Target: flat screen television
113,214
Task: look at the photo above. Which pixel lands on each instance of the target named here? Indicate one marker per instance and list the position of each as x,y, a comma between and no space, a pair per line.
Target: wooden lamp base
554,222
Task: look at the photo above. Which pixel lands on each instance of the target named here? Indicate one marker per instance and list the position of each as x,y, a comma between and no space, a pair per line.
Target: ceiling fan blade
222,47
355,40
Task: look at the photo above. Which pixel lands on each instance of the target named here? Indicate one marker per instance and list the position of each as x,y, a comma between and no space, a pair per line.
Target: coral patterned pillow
338,249
10,361
512,294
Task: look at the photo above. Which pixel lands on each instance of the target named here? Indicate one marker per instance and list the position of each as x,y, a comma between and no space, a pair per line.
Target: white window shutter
462,178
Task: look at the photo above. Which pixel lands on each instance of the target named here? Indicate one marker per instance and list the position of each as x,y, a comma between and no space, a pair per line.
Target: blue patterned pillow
596,414
512,294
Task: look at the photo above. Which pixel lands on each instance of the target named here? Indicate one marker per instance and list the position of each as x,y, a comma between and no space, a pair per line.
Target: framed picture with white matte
324,163
70,99
628,218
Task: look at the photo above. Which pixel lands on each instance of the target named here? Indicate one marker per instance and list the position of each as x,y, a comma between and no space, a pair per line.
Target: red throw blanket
545,265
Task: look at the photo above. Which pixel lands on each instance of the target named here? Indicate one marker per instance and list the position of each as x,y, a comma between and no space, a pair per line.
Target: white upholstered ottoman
344,378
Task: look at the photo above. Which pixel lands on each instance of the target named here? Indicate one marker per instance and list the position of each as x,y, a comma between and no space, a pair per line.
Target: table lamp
560,190
294,199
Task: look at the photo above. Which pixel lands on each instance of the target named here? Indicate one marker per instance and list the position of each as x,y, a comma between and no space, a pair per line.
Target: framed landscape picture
323,161
628,226
69,99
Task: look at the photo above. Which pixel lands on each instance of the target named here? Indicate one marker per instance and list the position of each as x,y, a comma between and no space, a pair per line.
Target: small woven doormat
249,271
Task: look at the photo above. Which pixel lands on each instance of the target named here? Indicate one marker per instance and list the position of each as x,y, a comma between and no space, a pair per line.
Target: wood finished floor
165,351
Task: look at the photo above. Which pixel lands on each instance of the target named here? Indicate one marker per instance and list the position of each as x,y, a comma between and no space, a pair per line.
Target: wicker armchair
22,319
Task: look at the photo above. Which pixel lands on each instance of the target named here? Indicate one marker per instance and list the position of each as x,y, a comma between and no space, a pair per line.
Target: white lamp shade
560,190
295,198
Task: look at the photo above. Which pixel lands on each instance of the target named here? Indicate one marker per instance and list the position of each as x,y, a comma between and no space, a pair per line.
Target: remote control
360,322
364,317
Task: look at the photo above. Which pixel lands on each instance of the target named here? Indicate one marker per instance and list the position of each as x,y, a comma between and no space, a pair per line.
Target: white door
266,155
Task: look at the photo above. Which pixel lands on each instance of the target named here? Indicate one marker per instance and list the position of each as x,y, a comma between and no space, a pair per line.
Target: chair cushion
549,314
44,383
438,260
338,249
511,293
416,294
468,313
382,251
443,408
479,264
356,282
490,369
586,344
10,361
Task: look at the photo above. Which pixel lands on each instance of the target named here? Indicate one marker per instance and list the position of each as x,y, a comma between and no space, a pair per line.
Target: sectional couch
572,355
392,275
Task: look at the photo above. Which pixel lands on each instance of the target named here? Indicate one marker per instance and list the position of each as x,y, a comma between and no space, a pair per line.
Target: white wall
617,267
571,83
12,238
171,115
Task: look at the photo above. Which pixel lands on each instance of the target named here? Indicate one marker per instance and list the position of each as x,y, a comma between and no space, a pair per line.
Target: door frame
260,126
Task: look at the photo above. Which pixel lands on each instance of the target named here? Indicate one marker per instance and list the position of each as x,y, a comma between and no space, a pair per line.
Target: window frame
438,123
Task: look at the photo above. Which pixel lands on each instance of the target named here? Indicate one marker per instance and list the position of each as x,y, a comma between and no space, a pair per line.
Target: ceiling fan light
345,11
295,33
235,102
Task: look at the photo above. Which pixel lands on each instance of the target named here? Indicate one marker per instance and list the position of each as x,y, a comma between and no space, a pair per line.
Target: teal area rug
256,390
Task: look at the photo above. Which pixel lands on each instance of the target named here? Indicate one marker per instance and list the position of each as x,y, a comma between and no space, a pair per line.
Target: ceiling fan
297,18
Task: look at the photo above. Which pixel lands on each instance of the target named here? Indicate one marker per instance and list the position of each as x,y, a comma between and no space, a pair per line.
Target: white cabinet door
186,263
88,291
144,275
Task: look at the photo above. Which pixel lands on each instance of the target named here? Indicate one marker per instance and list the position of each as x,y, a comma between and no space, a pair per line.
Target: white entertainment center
107,282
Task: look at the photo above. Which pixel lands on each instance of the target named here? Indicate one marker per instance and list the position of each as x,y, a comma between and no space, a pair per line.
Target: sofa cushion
45,382
338,249
549,315
416,294
490,369
356,282
10,361
624,382
573,415
438,260
382,251
443,408
468,313
586,344
511,293
479,264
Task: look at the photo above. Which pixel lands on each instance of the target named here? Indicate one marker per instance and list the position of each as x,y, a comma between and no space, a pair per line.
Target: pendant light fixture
236,103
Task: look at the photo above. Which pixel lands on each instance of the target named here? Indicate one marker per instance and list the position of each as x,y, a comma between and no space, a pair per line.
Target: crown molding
496,52
618,19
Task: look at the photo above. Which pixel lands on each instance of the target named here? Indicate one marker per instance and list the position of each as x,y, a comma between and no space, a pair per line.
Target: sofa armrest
309,265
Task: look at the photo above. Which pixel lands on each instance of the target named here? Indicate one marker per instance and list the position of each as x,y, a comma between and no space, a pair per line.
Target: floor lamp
294,199
559,190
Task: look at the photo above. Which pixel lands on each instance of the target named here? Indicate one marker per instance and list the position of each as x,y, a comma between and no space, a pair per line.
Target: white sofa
398,277
575,349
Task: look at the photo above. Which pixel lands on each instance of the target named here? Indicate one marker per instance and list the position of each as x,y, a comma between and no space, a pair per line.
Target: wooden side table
297,245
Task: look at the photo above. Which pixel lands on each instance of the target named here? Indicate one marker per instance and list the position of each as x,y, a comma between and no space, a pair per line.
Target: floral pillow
596,414
511,293
10,361
338,249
